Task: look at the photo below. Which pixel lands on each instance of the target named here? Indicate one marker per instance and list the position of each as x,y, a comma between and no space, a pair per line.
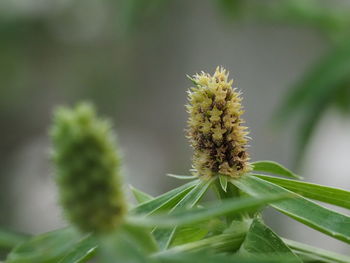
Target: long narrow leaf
307,212
168,200
315,253
10,239
48,247
330,72
321,193
223,182
183,177
120,247
205,257
273,168
141,197
196,215
82,252
311,118
165,236
218,244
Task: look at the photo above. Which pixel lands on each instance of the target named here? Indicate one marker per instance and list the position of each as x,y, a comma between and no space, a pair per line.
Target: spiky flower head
215,126
87,169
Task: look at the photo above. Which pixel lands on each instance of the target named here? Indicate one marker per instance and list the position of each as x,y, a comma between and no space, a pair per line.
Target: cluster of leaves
177,227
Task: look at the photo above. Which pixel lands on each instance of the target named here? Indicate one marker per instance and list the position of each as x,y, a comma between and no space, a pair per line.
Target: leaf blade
260,239
10,239
168,199
165,236
196,215
316,253
223,182
140,196
48,247
319,82
182,177
273,168
83,251
330,195
307,212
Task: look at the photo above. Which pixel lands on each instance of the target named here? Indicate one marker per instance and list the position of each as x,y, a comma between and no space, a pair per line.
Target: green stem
231,192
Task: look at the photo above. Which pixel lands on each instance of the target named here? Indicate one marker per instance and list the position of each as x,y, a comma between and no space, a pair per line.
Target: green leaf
45,248
189,234
223,182
195,232
121,247
205,257
321,193
165,236
307,128
128,244
316,92
141,197
319,84
82,252
273,168
316,254
141,237
193,197
217,244
164,201
10,239
183,177
342,99
196,215
309,213
260,239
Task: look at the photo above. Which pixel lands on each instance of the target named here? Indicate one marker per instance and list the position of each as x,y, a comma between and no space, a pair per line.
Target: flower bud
87,169
215,126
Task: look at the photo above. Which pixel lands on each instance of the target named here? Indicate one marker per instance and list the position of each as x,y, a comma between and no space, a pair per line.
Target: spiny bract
215,126
87,167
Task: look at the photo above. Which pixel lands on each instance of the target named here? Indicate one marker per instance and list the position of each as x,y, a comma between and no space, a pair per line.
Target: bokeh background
130,58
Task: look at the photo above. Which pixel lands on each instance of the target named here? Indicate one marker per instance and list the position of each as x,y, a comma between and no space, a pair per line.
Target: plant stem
231,192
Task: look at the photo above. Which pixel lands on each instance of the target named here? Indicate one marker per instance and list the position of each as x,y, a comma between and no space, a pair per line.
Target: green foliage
140,196
176,226
197,215
260,239
301,209
273,168
87,167
314,254
330,195
56,246
10,239
324,86
165,201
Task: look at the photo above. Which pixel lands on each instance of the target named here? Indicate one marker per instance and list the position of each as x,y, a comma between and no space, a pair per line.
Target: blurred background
291,60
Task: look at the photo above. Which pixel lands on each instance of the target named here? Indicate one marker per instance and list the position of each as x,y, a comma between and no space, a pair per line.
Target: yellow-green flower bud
215,126
87,169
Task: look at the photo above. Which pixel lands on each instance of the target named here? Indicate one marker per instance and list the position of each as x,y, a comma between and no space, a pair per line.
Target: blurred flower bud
87,169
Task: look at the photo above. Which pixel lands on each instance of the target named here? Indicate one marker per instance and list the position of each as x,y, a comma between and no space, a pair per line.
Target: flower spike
215,126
